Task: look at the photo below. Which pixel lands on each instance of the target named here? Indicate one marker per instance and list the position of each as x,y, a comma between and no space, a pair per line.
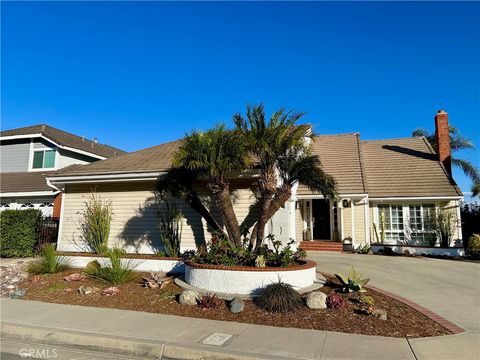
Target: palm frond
476,188
468,168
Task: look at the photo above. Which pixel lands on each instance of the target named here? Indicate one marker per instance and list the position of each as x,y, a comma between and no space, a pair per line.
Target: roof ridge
396,138
340,134
362,164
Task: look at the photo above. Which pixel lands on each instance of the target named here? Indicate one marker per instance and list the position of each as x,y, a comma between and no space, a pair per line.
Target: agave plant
354,281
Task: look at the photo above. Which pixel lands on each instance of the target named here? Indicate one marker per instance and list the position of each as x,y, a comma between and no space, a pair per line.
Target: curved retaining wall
166,265
247,280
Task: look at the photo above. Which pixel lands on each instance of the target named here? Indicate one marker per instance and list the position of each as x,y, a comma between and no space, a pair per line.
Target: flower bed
403,321
248,280
141,262
419,250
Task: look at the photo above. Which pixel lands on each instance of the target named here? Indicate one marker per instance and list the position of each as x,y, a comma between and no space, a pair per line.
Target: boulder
18,294
237,305
316,300
74,277
188,297
87,290
380,314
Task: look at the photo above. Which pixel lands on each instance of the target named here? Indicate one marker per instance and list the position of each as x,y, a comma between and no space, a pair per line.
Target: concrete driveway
449,288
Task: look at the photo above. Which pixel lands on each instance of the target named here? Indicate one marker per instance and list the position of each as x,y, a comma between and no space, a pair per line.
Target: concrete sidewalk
139,334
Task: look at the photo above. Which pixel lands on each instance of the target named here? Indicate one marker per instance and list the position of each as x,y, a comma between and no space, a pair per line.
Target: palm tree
476,188
279,147
215,154
457,142
267,141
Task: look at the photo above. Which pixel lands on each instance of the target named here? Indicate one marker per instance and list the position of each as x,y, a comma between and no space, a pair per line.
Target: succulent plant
352,283
260,261
367,300
335,301
209,301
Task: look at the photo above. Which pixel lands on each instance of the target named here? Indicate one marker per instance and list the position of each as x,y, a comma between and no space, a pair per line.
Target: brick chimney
442,137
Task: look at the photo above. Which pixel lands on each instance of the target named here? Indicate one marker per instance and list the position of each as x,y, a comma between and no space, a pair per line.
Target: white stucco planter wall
175,266
220,279
421,250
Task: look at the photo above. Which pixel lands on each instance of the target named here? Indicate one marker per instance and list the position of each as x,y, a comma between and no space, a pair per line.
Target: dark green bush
18,232
279,298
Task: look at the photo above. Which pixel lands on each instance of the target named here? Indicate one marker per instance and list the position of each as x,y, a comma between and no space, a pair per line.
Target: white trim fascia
64,147
29,193
352,207
367,220
124,176
60,223
339,196
417,198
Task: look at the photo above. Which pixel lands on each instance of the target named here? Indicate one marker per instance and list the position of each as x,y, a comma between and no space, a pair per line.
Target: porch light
346,203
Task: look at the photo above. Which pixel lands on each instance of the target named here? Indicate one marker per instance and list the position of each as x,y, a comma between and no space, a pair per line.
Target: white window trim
405,214
33,150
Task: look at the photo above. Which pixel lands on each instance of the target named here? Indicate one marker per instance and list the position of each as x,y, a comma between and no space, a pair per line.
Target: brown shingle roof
154,159
24,181
390,168
405,167
67,139
340,157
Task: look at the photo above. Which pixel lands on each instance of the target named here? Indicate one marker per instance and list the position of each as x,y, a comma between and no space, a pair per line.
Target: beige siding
347,222
134,223
360,237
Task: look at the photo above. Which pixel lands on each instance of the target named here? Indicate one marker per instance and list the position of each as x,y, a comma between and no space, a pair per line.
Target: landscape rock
380,314
188,297
74,277
316,300
111,291
11,276
87,290
237,305
17,294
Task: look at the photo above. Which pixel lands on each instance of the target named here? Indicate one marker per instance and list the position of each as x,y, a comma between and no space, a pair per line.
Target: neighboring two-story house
29,154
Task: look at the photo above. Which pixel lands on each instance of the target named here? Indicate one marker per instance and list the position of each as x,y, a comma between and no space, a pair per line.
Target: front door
321,219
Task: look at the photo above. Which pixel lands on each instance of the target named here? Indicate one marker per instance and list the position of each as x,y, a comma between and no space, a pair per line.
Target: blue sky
138,74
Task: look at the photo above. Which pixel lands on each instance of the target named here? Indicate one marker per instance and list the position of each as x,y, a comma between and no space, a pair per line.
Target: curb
138,348
455,329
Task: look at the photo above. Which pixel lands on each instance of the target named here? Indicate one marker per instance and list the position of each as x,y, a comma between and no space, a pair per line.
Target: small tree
95,222
444,223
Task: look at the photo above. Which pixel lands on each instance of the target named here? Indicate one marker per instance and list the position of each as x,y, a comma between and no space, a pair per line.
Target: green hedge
18,232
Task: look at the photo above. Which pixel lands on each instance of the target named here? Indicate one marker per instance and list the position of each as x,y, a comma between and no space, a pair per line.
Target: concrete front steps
318,245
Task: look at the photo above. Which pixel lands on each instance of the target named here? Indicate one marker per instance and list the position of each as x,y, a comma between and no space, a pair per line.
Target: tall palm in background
457,142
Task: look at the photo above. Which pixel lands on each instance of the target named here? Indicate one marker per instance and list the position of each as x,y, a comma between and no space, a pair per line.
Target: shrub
116,272
353,282
470,214
221,251
170,226
474,245
279,298
19,232
209,301
366,300
95,223
49,263
335,301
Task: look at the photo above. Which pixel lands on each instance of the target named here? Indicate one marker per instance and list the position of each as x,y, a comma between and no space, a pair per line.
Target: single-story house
28,155
402,179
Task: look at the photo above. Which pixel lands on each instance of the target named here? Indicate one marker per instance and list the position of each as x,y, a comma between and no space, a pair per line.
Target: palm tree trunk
196,204
282,195
268,185
222,197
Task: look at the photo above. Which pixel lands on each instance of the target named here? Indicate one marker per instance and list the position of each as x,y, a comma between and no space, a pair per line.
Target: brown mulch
403,321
